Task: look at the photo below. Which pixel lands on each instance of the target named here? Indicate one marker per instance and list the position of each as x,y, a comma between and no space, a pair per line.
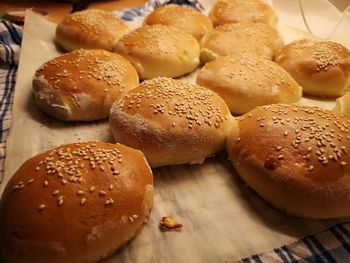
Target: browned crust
83,84
159,50
90,29
234,11
36,227
245,82
322,68
184,18
295,157
172,122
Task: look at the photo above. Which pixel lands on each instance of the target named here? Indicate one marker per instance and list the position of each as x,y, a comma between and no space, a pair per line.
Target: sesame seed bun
184,18
233,11
228,39
171,121
90,29
245,81
159,50
83,84
322,68
295,157
75,203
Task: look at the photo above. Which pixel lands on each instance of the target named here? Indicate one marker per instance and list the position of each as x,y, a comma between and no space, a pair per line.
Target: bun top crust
310,143
159,50
171,121
233,11
184,18
322,68
228,39
296,157
90,29
83,84
245,81
63,205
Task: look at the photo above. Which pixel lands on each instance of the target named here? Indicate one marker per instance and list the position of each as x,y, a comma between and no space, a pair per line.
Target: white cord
340,19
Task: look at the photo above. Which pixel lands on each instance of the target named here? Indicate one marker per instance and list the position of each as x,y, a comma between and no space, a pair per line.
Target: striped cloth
332,245
10,41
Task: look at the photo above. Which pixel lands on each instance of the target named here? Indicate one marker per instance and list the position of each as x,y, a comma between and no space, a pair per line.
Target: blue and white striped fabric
332,245
10,41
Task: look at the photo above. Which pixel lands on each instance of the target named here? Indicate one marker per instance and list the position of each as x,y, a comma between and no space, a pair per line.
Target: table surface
58,9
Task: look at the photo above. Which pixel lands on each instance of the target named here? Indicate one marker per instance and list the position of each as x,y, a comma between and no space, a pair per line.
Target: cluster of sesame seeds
167,13
192,103
67,71
68,166
320,136
247,7
158,38
252,65
257,33
93,21
326,54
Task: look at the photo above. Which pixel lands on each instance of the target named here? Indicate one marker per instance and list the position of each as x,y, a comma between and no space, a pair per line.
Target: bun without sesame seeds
235,11
295,157
256,38
90,29
171,121
184,18
322,68
83,84
245,81
75,203
159,50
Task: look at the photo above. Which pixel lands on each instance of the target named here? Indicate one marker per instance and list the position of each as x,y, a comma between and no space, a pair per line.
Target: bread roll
184,18
82,85
90,29
228,39
233,11
322,68
245,82
342,104
160,50
295,157
76,203
171,121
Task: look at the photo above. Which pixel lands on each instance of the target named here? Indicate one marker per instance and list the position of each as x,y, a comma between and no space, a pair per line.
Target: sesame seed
30,181
41,207
311,168
80,192
92,188
111,187
82,201
46,183
102,193
343,163
56,192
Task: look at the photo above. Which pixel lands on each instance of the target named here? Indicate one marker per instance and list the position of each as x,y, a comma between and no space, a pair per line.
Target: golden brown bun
49,214
171,121
256,38
295,157
90,29
245,82
159,50
342,104
83,84
184,18
233,11
322,68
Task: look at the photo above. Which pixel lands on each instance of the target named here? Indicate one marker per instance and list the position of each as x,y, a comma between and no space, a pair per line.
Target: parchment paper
223,219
